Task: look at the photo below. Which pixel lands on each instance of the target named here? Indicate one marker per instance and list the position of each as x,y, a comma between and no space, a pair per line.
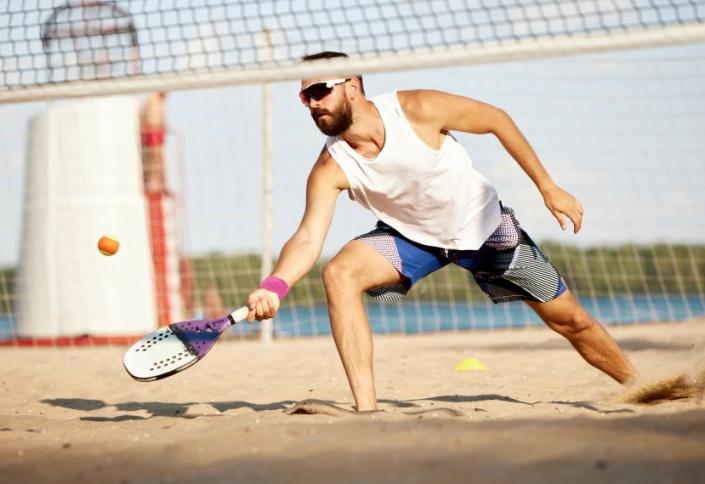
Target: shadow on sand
191,410
156,409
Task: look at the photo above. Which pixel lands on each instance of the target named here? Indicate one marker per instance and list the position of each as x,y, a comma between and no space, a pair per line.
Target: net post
266,52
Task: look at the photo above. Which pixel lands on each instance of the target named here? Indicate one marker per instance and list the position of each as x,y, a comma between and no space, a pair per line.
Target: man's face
328,104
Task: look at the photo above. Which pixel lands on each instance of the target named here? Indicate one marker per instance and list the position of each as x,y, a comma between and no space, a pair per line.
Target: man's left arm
448,112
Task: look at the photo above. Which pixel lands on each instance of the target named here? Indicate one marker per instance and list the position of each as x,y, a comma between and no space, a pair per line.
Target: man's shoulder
417,104
327,171
325,156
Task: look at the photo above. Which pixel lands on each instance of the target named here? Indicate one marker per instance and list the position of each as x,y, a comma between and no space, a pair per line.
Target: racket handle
238,315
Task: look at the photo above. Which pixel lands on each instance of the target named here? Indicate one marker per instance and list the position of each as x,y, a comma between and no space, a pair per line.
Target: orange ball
108,245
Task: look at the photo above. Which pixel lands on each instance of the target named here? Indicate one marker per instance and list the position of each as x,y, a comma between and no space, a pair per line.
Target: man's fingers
259,310
559,217
574,214
575,218
262,305
266,310
251,304
577,221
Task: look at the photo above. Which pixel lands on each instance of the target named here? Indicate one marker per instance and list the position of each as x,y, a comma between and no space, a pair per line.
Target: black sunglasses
319,90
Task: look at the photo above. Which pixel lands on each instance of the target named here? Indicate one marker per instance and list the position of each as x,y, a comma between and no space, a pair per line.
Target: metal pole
266,264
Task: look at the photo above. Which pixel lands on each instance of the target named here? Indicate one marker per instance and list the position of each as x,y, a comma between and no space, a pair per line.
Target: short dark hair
329,54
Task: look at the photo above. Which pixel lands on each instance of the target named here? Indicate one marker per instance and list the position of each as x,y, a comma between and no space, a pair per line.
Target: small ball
108,245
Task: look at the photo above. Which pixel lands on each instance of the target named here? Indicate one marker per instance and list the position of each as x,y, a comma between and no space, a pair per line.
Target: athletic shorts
508,267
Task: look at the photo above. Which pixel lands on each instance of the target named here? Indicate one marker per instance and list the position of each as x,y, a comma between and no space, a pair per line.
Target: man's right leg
567,317
357,268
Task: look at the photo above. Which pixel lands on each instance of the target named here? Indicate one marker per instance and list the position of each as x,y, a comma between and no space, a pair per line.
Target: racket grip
239,314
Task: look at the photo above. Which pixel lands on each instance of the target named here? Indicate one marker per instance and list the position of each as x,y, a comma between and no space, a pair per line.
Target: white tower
84,179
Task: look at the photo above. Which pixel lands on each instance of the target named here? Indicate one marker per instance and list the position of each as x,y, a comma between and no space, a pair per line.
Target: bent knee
571,324
339,275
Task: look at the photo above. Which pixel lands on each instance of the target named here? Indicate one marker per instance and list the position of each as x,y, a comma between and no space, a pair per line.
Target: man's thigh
510,266
368,267
412,261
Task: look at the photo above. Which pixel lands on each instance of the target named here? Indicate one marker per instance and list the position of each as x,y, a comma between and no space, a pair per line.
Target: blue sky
624,131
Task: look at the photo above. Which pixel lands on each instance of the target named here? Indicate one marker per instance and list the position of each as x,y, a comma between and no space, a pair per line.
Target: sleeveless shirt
432,197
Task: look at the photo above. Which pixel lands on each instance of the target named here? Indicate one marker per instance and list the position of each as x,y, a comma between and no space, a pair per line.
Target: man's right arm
303,249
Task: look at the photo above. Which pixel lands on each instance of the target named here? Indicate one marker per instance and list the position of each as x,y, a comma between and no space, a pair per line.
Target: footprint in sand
317,407
321,407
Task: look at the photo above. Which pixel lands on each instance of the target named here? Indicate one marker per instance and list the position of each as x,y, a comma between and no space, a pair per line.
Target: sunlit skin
357,267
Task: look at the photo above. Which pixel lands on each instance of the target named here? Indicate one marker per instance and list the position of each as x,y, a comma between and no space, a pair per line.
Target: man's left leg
510,266
568,318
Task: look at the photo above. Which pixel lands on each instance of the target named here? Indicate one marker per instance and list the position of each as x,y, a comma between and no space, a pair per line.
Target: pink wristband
276,285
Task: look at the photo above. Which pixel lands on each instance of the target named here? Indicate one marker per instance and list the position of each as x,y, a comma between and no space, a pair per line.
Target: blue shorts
508,267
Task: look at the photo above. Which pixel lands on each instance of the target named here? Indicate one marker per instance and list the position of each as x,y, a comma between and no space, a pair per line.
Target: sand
249,413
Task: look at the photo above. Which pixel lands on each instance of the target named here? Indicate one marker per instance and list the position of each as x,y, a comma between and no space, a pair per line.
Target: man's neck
366,134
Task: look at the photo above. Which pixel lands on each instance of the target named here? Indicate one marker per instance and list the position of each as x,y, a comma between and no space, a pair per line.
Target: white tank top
433,197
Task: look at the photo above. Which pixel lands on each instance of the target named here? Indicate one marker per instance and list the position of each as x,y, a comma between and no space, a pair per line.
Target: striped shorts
508,267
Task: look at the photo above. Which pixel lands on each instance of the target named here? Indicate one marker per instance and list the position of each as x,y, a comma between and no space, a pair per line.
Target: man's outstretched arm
448,112
302,250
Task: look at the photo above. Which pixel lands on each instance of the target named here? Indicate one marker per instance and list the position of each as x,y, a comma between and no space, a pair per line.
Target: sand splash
682,387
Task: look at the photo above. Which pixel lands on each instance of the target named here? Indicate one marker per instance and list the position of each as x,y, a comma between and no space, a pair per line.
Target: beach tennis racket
175,347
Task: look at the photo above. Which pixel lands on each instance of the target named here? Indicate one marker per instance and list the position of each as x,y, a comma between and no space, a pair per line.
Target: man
395,155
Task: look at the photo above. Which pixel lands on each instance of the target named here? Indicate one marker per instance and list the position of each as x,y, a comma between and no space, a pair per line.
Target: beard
336,122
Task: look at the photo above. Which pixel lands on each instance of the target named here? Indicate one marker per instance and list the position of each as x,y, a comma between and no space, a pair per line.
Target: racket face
172,348
158,355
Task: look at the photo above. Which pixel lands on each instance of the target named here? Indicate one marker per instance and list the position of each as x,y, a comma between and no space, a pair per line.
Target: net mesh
623,131
43,43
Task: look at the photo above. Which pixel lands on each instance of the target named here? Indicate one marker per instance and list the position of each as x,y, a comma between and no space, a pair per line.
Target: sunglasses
319,90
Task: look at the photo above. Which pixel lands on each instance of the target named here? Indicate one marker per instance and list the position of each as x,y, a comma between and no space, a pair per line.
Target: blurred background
178,130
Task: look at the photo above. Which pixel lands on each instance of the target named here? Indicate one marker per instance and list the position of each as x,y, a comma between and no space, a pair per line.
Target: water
414,318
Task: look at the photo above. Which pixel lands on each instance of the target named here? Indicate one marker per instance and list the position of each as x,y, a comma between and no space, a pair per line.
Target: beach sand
282,413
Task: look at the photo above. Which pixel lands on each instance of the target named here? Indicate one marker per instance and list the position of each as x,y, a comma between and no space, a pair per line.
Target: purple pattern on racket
200,336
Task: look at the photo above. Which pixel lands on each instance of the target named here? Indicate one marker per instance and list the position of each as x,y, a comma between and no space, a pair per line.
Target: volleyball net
177,177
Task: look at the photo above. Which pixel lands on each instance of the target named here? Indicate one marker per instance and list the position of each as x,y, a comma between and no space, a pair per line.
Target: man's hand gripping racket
175,347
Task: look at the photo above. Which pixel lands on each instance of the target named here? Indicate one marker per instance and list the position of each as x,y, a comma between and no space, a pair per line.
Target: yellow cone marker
469,364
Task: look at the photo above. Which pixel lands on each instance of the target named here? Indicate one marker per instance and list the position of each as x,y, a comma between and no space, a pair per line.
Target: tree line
597,271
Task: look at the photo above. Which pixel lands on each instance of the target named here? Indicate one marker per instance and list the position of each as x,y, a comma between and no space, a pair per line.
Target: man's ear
353,86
